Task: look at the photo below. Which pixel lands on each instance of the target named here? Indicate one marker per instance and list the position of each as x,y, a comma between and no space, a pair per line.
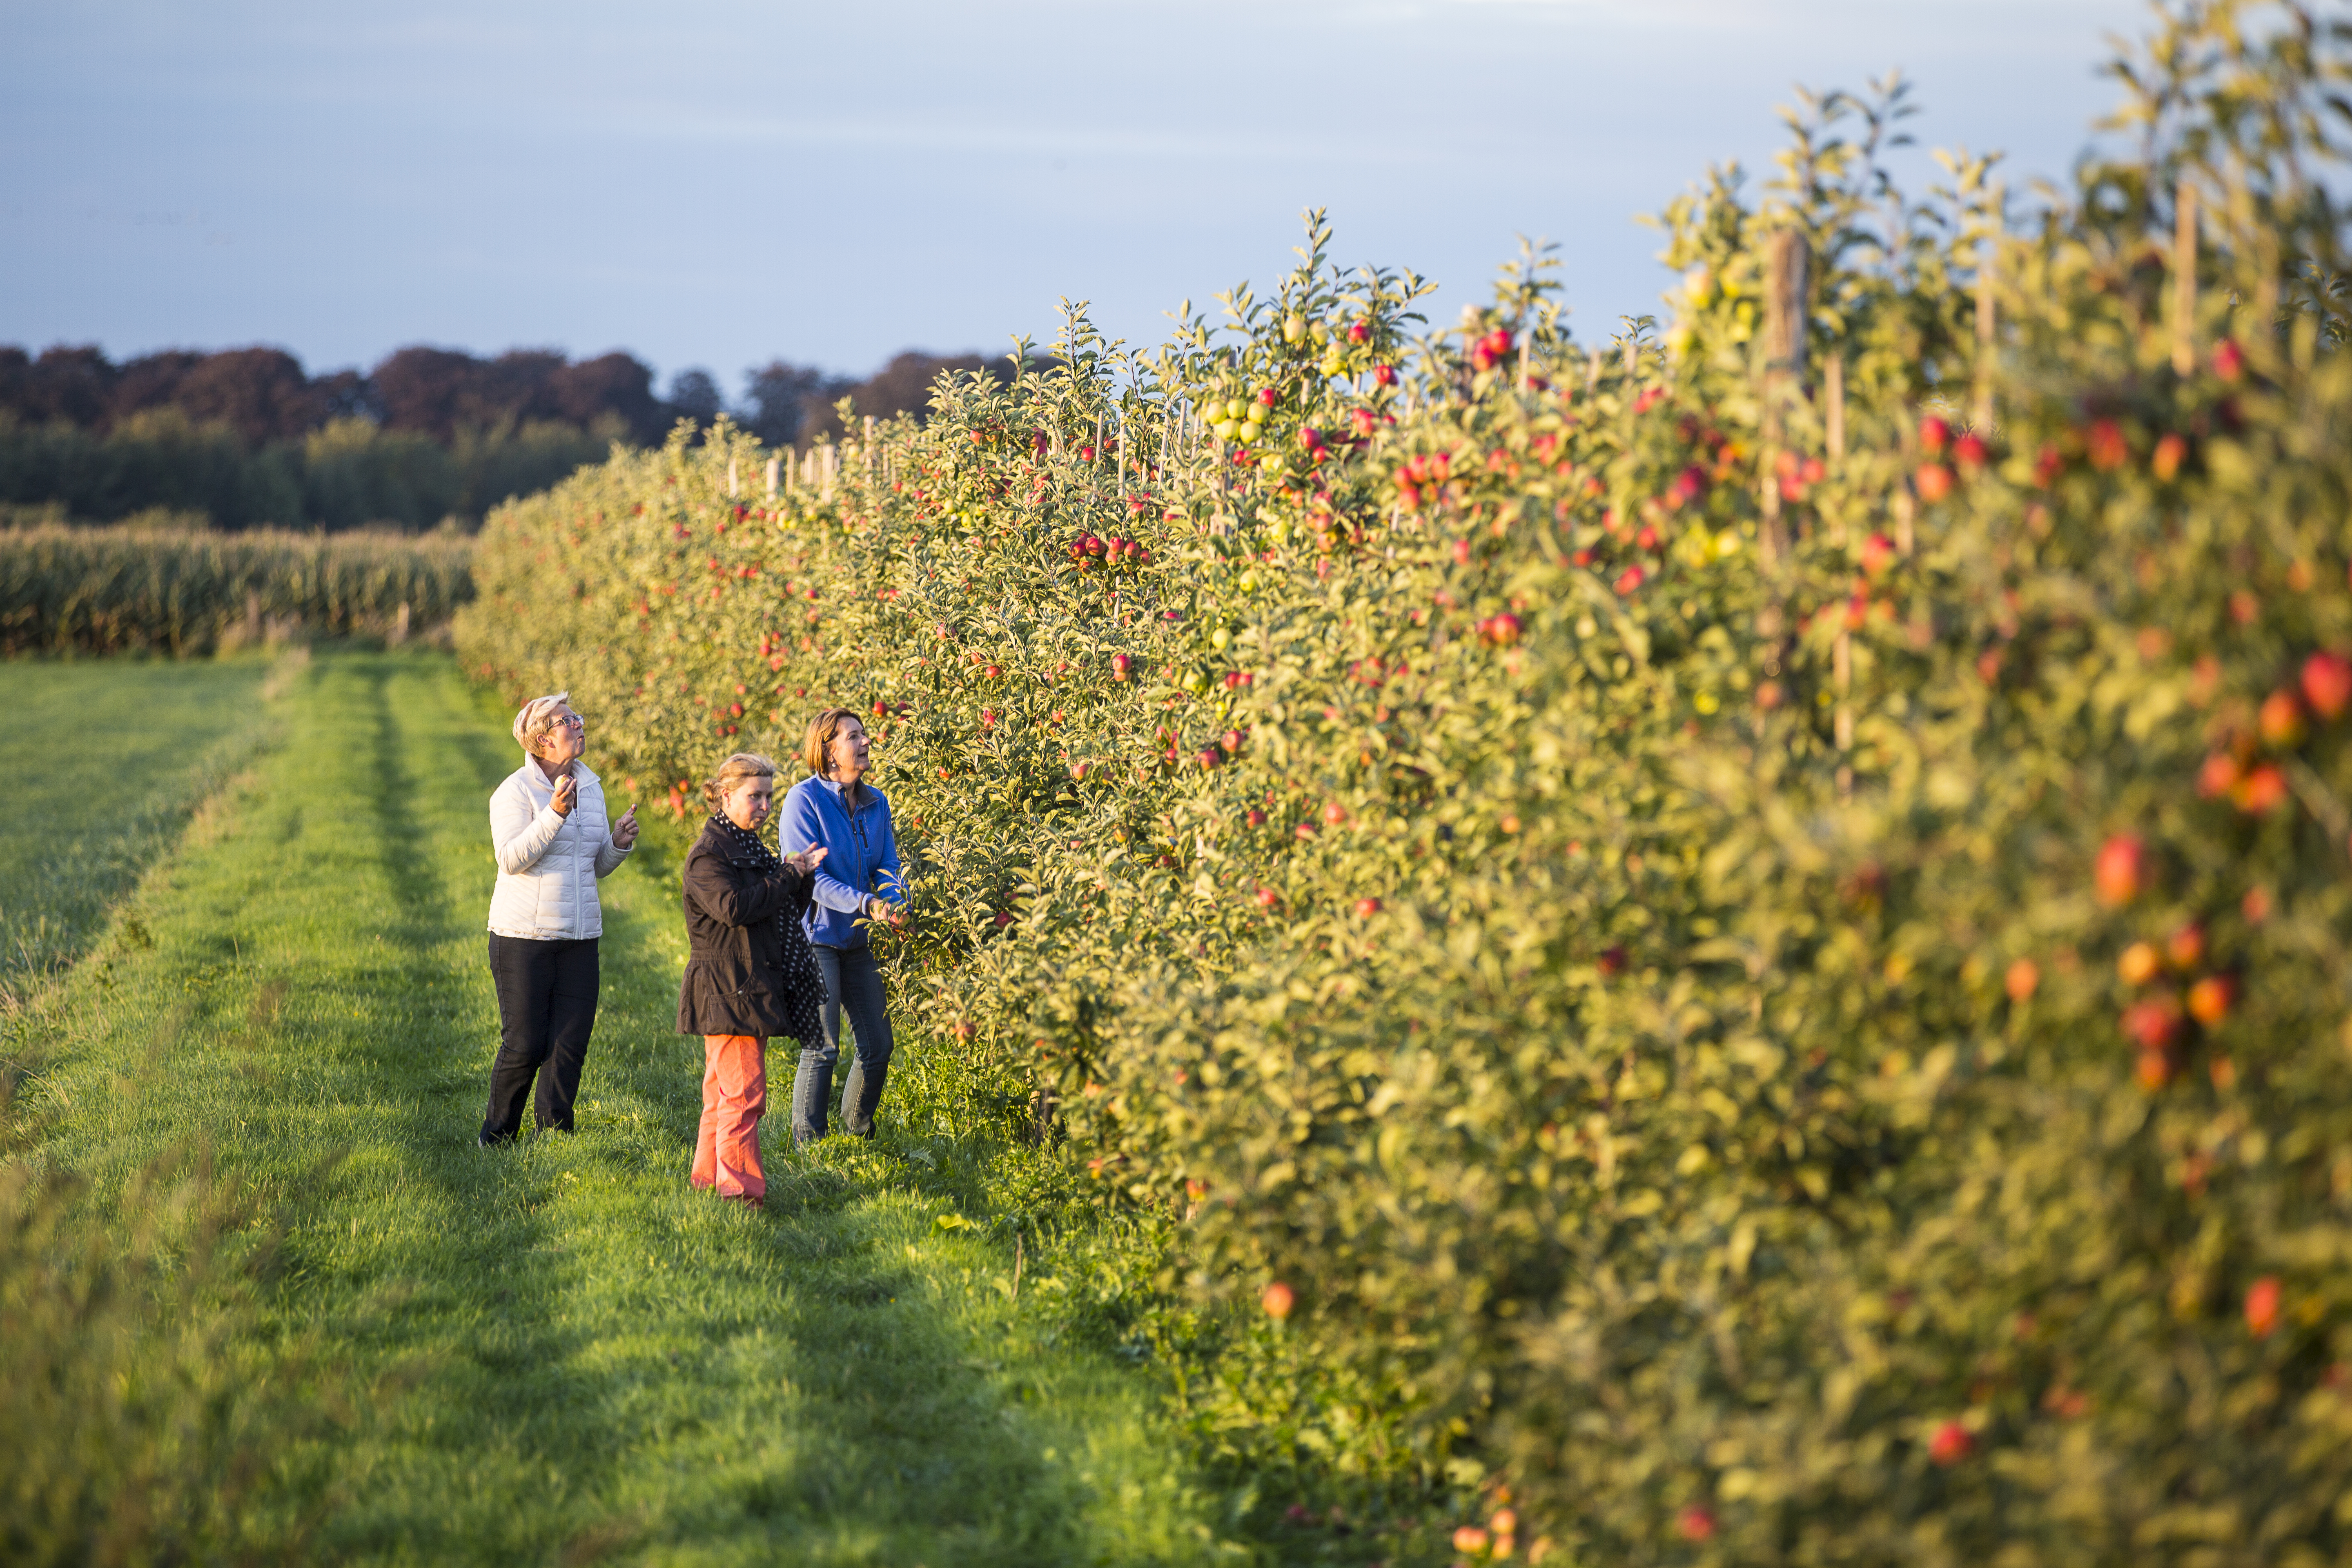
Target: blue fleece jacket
861,857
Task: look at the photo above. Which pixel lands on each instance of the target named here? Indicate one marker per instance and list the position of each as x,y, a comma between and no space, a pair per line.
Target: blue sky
721,184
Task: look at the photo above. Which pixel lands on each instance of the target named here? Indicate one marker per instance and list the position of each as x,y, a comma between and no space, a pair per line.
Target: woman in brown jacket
748,970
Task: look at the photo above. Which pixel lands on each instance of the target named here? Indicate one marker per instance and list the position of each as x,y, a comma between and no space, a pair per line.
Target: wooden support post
734,483
774,465
2184,280
1786,261
1834,428
1988,275
1842,676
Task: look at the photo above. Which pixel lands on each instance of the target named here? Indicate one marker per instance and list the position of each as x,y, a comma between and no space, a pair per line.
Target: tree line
248,436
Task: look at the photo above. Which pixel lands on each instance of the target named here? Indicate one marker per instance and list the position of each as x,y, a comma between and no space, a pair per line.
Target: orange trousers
734,1098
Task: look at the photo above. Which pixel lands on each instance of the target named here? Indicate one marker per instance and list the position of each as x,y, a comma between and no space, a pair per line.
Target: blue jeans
852,983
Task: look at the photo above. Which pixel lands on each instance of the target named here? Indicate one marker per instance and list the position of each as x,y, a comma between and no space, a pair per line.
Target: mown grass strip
104,762
560,1350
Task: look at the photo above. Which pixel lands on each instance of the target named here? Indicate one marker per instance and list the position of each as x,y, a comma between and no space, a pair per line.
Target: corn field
116,590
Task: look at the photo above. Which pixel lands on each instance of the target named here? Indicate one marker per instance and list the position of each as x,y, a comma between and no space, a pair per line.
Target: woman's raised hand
806,860
625,832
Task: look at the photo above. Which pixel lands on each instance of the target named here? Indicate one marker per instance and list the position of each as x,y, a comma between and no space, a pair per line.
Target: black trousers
547,1005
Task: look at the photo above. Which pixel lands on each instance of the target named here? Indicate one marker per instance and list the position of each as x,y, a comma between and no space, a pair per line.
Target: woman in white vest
553,841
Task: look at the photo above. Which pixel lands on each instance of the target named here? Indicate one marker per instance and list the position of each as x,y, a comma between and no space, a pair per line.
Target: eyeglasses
568,721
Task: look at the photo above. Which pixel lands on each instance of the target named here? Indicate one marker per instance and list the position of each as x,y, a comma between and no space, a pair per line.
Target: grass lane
559,1351
105,759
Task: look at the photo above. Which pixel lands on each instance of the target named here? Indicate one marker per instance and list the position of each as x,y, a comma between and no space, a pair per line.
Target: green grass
558,1352
104,762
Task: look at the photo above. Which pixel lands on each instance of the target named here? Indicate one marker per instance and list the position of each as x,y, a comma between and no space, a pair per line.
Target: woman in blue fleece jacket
858,884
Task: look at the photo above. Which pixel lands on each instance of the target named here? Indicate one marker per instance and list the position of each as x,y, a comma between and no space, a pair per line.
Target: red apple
1933,481
1367,907
1694,1523
2139,963
2281,719
1278,1300
2024,978
2211,999
1119,665
2171,450
2328,684
1335,814
2121,869
2228,359
1877,554
2262,1306
1384,375
2153,1024
1934,435
2185,949
2217,776
1267,898
1951,1443
2104,443
2261,791
1970,452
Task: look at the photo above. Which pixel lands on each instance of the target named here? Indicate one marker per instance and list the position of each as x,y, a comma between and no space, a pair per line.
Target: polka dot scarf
748,842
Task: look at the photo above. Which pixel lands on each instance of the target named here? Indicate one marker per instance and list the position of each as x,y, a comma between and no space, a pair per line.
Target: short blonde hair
537,717
819,739
733,772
